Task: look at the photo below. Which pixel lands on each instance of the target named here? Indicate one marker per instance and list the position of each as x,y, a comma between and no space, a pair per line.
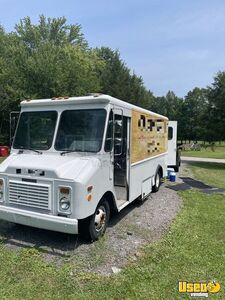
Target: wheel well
111,200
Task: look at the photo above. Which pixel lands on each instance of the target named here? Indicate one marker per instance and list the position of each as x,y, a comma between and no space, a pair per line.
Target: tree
55,31
52,58
115,75
195,108
58,59
172,107
44,60
216,108
118,81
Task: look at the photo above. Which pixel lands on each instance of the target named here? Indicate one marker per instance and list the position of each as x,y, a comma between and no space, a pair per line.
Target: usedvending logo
199,289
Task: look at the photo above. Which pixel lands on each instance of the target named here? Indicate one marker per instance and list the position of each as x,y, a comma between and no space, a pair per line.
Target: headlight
64,203
65,200
1,190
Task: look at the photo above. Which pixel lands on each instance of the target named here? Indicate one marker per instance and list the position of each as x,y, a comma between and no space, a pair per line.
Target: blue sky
174,45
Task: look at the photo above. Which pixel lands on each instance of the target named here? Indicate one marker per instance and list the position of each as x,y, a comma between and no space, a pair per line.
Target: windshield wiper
31,149
68,151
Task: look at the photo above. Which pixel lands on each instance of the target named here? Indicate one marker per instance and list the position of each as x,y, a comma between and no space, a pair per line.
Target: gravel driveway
128,231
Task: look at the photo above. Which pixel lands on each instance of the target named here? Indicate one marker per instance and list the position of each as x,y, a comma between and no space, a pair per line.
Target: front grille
29,194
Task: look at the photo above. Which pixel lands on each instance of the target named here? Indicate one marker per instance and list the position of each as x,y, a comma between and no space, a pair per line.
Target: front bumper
39,220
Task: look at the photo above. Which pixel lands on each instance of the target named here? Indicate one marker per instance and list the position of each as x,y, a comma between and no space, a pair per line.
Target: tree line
53,58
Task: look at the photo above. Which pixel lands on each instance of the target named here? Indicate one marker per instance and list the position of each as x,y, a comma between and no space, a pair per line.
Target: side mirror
118,146
14,116
118,125
108,144
118,135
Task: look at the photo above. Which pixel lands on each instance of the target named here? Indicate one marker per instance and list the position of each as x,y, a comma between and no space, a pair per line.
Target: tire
158,182
93,227
176,169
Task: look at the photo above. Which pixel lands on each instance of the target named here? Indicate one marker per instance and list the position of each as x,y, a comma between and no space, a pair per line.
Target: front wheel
94,227
156,187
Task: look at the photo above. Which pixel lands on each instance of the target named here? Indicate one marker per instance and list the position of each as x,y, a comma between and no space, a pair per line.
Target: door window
170,133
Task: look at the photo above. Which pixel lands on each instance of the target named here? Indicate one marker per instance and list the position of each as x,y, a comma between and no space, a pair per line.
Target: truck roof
93,98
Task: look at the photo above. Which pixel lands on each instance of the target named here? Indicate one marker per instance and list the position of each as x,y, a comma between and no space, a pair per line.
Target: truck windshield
81,130
35,130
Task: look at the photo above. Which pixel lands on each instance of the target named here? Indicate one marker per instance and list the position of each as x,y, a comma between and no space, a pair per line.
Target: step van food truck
74,160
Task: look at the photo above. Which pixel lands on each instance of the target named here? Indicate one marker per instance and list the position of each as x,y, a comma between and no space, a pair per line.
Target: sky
172,44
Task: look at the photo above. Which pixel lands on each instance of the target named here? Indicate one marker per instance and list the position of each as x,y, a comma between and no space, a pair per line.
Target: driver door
121,159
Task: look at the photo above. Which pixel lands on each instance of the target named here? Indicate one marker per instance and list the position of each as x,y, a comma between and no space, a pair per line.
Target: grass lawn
206,153
210,173
192,250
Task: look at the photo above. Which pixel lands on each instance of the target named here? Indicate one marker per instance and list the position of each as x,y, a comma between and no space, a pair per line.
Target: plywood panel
149,136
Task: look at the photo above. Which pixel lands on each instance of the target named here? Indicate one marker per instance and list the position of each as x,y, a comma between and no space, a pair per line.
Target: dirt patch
128,231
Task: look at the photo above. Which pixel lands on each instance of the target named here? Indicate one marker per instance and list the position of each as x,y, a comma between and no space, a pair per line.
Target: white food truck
75,159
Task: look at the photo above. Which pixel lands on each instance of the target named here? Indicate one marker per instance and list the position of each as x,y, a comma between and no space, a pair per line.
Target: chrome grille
29,194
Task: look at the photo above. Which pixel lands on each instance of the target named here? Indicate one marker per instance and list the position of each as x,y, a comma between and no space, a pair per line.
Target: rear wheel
176,169
94,227
158,178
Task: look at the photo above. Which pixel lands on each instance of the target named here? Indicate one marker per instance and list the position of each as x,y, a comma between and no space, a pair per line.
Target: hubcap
100,218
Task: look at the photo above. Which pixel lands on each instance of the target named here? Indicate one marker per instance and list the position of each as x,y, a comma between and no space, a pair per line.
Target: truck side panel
172,144
141,171
149,136
148,150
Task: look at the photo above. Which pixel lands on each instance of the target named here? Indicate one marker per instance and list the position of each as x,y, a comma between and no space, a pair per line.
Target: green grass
219,144
206,153
210,173
192,250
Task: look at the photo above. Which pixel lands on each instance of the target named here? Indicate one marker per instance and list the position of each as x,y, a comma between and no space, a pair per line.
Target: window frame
110,114
36,111
170,137
79,109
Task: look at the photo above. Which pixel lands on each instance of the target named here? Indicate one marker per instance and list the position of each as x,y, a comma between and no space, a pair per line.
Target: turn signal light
64,190
89,197
89,188
61,98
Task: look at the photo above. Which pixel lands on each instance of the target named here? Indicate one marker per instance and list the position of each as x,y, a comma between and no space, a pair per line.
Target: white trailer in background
173,151
73,160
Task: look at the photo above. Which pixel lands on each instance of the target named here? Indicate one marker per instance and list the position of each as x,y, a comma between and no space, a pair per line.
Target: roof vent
94,94
61,98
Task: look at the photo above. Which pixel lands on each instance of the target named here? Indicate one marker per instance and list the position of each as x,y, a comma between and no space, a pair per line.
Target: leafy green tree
44,60
58,59
117,80
55,31
10,83
115,75
216,109
196,104
52,58
168,105
172,107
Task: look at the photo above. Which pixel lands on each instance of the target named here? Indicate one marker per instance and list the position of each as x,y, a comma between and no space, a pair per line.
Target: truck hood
52,166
